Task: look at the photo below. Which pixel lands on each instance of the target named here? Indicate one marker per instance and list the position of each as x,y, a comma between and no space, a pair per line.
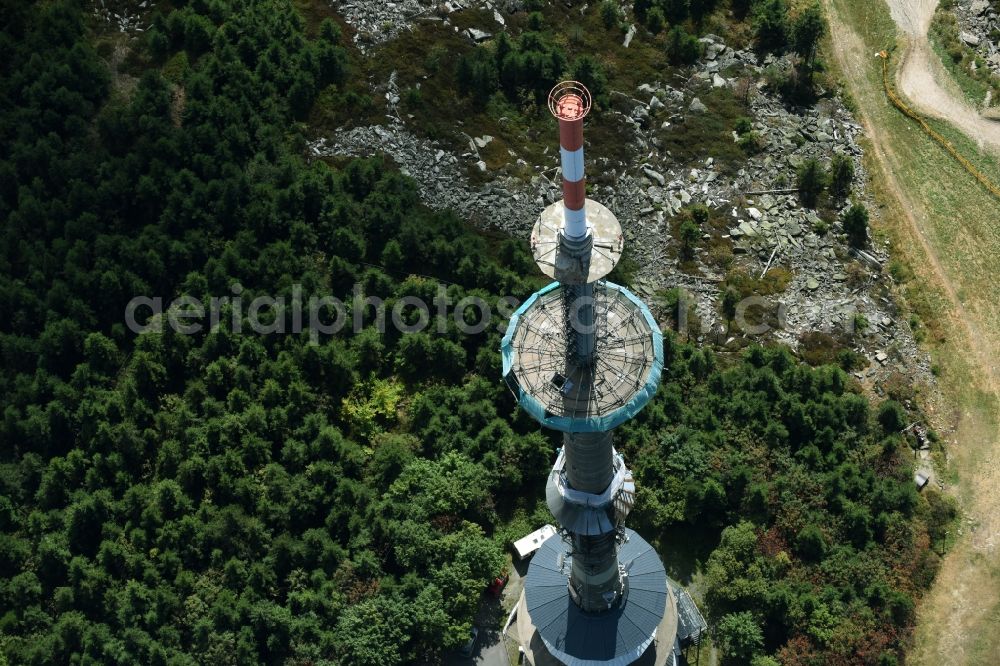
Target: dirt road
944,228
923,79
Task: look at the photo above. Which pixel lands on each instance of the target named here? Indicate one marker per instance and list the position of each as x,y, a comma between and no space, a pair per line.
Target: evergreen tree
811,182
841,175
856,225
770,23
682,47
807,28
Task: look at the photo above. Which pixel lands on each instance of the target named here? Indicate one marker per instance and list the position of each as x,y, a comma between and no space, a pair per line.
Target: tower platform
640,629
605,251
628,360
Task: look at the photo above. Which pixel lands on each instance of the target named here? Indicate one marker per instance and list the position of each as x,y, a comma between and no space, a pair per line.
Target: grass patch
774,281
957,221
710,134
958,58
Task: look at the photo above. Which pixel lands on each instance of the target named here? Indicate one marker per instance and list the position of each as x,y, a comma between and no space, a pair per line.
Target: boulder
629,36
654,176
969,38
697,106
477,35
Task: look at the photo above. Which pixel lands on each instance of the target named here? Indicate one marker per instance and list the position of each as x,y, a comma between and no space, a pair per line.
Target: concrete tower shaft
589,461
595,577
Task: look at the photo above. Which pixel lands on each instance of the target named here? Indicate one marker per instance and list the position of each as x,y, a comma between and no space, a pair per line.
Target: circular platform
617,636
628,360
606,248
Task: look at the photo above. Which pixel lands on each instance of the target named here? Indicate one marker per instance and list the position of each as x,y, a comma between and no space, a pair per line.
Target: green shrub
690,233
770,24
811,543
751,143
699,213
682,48
856,225
610,14
891,417
477,75
811,182
739,636
841,175
655,20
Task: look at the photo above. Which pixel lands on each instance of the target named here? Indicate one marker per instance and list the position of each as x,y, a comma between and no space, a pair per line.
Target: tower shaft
582,324
589,461
595,577
589,468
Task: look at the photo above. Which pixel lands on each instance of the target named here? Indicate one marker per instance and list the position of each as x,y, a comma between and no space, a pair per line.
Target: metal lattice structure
583,356
570,396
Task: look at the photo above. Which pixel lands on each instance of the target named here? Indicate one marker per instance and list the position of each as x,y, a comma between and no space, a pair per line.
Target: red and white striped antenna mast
570,103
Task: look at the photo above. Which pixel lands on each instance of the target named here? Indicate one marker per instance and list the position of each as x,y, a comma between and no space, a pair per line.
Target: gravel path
924,81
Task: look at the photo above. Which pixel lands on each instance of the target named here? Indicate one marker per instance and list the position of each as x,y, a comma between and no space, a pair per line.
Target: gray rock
629,36
697,106
969,38
478,35
655,103
754,213
483,141
481,165
718,81
979,7
812,284
655,176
